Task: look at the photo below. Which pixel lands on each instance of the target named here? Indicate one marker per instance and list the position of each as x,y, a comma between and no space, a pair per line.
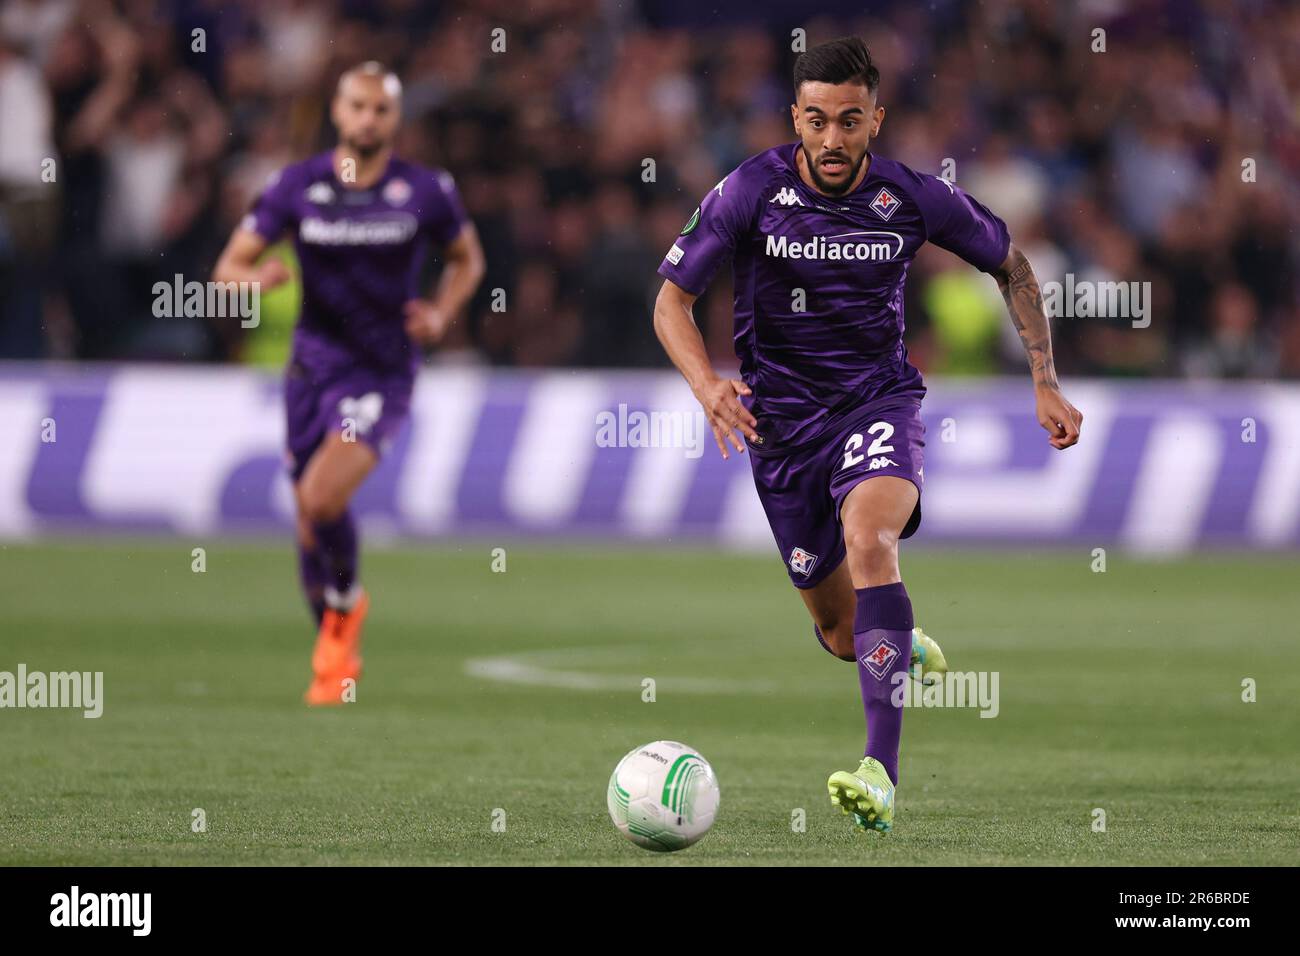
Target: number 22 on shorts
882,431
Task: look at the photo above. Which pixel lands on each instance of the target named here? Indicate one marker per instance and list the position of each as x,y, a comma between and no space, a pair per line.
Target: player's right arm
271,217
239,262
680,336
724,217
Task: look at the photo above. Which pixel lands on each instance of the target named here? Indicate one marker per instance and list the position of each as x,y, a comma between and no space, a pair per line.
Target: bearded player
361,220
820,233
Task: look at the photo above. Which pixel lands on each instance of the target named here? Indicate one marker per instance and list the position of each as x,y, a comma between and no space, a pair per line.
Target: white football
663,796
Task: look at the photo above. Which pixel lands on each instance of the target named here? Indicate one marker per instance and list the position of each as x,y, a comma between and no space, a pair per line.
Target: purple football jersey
360,252
819,281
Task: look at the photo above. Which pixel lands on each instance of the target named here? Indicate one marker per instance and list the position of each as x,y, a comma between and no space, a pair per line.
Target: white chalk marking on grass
534,669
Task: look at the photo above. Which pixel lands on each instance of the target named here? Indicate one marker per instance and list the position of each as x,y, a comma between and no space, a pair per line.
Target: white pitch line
532,669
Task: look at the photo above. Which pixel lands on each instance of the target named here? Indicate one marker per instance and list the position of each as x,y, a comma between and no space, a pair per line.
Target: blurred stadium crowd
164,119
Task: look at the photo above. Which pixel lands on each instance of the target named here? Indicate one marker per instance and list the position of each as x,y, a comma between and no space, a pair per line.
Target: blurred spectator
583,146
1235,347
28,202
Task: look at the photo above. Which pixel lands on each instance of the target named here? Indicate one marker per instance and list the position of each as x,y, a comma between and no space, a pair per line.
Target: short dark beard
826,187
366,152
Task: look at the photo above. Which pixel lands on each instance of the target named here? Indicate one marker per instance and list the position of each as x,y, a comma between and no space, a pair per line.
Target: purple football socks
311,571
882,640
336,542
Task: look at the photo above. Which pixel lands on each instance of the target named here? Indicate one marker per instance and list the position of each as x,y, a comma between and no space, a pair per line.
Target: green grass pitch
519,691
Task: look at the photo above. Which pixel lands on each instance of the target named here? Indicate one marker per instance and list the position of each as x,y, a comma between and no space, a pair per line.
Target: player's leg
832,604
876,485
792,490
333,474
305,424
311,565
360,416
803,519
874,514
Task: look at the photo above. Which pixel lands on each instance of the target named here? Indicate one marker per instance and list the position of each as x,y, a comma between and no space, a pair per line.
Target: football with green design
663,796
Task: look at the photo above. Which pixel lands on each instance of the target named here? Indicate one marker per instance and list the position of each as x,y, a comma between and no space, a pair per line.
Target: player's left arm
427,320
1024,298
957,222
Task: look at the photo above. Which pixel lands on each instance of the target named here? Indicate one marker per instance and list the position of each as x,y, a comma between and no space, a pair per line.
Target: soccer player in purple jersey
820,233
361,220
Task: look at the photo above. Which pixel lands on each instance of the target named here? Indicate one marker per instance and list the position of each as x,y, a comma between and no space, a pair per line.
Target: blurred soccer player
821,232
362,220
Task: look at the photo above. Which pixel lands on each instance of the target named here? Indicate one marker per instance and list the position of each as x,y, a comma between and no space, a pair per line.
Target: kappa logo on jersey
880,657
320,194
885,204
787,197
721,182
878,463
397,192
801,562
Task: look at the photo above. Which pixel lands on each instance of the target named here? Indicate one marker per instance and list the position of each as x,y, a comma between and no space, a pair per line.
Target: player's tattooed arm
1019,287
719,397
1024,300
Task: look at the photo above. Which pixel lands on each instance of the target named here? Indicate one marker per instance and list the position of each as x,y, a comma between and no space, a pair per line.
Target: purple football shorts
366,405
802,489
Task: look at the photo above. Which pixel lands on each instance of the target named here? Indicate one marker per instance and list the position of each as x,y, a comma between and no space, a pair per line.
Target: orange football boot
337,656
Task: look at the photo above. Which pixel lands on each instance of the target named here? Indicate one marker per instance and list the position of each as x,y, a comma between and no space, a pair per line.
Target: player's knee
306,537
319,505
873,548
837,637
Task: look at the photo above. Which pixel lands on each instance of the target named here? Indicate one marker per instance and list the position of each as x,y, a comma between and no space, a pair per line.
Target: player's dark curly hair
846,60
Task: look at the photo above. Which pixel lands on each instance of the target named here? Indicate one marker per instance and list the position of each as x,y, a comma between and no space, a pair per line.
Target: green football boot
867,793
927,655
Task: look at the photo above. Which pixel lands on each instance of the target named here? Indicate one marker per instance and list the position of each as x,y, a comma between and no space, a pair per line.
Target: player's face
365,114
836,122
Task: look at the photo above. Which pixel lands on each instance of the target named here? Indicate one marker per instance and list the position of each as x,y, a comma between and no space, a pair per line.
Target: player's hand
425,322
271,273
726,415
1061,419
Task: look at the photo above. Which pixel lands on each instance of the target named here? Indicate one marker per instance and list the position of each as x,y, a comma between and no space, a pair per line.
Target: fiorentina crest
802,562
885,204
880,657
